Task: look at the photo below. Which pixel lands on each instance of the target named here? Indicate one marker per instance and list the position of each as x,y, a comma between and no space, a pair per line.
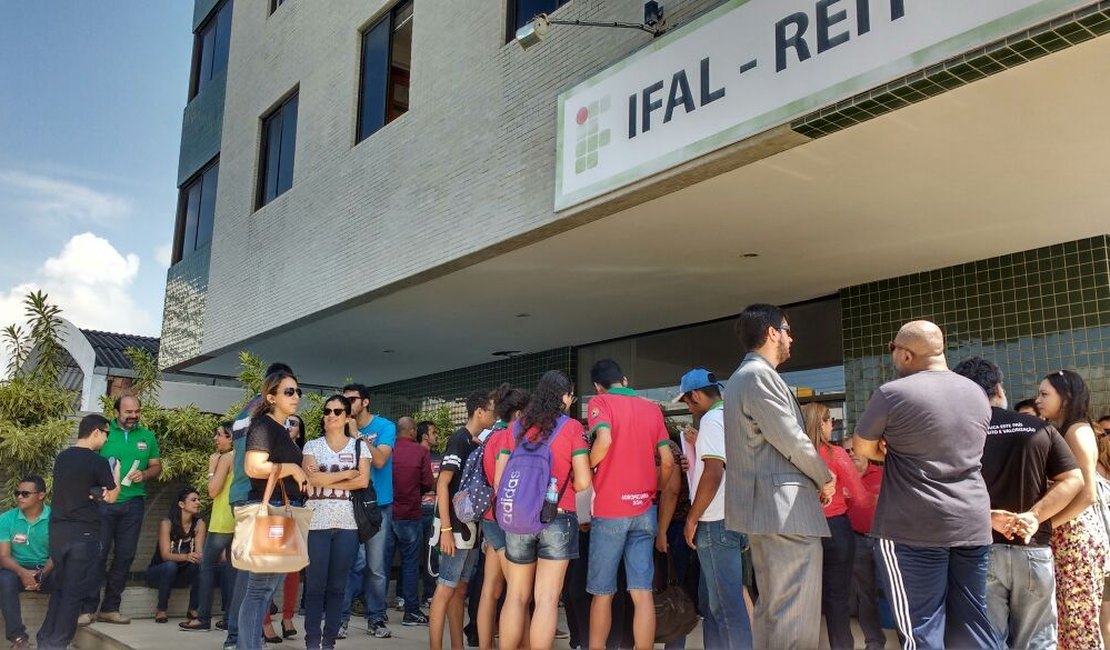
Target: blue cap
694,380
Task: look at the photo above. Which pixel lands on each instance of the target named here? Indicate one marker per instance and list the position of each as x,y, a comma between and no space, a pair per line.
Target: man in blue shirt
24,554
372,566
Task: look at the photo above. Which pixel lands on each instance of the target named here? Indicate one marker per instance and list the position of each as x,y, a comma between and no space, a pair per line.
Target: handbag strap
273,481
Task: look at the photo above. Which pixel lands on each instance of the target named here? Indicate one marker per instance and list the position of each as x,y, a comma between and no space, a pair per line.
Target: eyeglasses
339,411
104,431
784,328
23,494
289,392
892,346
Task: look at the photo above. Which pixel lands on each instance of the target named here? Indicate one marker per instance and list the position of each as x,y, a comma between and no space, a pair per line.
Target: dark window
279,145
210,48
196,212
274,4
521,12
386,65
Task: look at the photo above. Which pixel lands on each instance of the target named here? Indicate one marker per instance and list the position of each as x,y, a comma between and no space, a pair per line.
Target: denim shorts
493,534
458,568
630,538
557,541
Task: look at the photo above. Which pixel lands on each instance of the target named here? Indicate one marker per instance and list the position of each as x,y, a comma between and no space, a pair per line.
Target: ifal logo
589,137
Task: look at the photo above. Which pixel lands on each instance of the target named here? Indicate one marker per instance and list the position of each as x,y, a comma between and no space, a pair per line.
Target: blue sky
91,96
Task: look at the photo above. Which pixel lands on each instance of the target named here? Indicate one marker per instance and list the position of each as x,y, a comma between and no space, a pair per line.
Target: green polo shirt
128,446
30,540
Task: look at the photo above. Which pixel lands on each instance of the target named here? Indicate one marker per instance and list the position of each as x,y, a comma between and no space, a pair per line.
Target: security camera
533,31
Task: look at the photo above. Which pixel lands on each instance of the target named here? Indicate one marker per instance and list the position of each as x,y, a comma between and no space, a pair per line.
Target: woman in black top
177,555
269,448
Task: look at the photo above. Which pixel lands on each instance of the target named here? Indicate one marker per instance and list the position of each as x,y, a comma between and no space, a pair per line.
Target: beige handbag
271,539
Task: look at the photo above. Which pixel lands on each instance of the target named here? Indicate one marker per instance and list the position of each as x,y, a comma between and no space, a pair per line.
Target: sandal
194,626
288,632
160,617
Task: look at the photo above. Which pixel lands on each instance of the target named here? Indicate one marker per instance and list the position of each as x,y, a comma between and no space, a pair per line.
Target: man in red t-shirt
626,431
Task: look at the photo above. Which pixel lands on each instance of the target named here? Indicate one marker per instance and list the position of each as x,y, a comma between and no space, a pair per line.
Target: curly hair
547,403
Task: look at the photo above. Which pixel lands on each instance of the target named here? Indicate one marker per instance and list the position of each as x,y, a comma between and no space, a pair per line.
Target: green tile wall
405,397
1031,312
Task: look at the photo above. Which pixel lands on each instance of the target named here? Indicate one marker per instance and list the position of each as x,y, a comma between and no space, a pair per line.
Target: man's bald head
919,345
406,428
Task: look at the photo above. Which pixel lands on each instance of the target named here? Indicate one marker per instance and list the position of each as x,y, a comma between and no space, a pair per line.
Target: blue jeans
938,595
330,553
1021,596
120,524
409,538
726,624
238,590
73,582
838,557
10,588
167,576
214,545
379,559
557,541
260,590
631,538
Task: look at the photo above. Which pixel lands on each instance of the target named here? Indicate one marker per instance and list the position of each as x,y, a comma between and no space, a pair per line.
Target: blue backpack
524,482
475,494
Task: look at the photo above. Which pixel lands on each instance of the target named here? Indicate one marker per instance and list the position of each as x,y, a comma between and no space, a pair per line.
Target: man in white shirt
726,623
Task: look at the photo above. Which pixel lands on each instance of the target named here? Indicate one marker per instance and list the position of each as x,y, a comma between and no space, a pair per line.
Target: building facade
398,192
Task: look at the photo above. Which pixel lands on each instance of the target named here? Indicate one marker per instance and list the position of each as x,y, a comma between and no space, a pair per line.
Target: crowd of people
981,527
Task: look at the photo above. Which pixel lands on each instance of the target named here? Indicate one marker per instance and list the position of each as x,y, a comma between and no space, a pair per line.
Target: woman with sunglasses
839,549
537,563
334,467
221,528
291,586
268,449
1079,542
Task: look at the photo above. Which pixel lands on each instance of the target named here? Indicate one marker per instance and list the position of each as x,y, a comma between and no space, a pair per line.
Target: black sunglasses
339,411
289,392
23,494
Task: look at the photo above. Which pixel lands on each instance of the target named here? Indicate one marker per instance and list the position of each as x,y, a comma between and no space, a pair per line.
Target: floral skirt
1080,550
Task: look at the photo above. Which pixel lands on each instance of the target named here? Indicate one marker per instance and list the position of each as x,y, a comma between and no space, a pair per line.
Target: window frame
512,11
212,20
180,236
264,162
274,5
391,17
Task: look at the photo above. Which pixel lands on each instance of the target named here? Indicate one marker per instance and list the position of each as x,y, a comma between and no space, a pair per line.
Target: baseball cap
695,379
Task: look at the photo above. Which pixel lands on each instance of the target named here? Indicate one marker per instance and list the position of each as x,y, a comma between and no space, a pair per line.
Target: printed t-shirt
30,540
222,519
862,513
331,507
412,477
138,444
569,443
265,434
240,482
710,444
935,425
500,438
626,480
849,487
381,431
1021,454
459,447
73,513
182,542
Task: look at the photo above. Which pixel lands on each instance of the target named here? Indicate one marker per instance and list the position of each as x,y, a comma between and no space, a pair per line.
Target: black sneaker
412,619
378,630
221,624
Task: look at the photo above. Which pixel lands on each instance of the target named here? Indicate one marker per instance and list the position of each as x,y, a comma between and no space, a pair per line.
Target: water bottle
550,502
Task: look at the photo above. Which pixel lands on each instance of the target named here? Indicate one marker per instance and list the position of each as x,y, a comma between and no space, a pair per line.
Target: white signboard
754,64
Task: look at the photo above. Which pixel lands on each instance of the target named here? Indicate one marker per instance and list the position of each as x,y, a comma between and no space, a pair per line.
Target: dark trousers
474,595
836,581
211,569
331,553
120,524
575,596
73,582
865,593
10,588
427,557
938,595
408,534
167,576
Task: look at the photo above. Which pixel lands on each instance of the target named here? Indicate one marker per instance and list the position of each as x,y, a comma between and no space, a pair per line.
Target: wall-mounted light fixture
536,29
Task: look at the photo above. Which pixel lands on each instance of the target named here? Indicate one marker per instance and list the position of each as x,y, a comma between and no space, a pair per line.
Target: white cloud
91,281
162,254
44,196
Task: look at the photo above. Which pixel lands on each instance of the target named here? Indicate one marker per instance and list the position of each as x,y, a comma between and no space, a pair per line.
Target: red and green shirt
570,443
626,480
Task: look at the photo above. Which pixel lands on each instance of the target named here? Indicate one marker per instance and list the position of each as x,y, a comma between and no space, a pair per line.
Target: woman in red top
840,548
537,562
508,402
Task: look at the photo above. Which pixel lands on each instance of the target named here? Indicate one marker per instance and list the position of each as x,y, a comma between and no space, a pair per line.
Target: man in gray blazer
775,484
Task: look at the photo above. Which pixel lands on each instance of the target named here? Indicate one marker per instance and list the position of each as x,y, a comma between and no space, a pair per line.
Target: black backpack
368,514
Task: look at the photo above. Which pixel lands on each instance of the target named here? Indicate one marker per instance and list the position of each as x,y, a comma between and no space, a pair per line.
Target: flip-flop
161,619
